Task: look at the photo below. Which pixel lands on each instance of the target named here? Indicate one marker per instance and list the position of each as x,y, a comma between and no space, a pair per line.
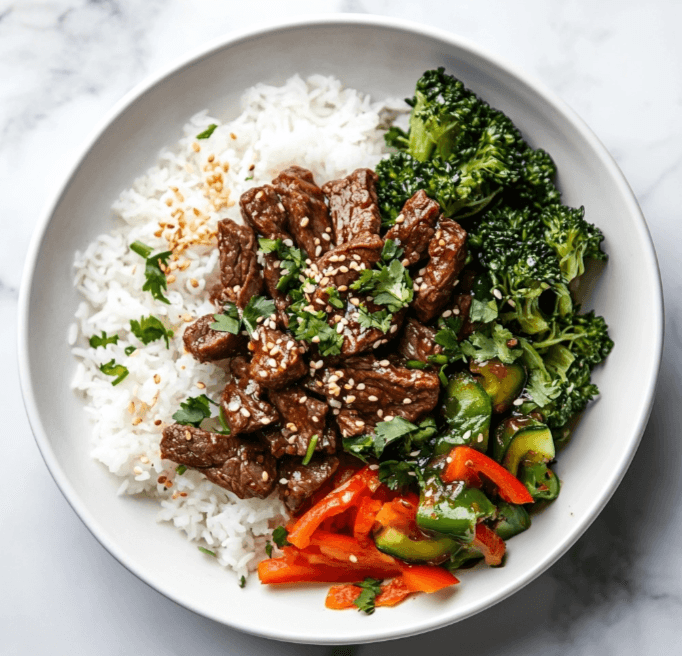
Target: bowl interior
383,58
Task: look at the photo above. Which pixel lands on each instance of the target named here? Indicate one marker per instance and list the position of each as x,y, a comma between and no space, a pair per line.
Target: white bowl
383,57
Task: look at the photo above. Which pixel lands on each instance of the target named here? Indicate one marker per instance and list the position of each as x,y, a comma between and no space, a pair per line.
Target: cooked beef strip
447,253
240,273
242,401
301,417
207,345
302,481
358,339
277,360
240,466
363,391
353,205
415,226
307,213
417,342
262,209
296,444
341,266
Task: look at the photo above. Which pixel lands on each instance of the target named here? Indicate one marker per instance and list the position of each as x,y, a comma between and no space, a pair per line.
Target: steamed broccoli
536,187
572,238
523,269
458,149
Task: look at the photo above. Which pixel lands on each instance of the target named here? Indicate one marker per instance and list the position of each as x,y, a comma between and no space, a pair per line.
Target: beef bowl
69,372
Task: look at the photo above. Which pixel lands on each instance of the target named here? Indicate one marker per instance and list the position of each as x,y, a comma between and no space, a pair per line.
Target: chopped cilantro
155,277
193,411
389,432
268,549
249,178
398,473
292,261
257,307
228,321
208,552
223,421
365,600
486,344
380,320
310,450
483,310
309,326
180,469
113,369
242,581
103,340
334,299
149,329
390,251
129,350
207,132
279,537
389,285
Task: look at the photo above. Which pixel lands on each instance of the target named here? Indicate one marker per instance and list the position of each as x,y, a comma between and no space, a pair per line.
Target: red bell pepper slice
337,501
349,551
490,544
278,571
340,597
365,518
466,463
422,578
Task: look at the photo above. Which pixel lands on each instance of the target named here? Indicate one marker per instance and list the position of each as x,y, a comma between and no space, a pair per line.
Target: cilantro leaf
207,132
389,285
103,340
257,307
129,350
486,344
292,261
113,369
180,469
149,329
391,251
398,473
193,411
228,321
268,549
389,431
483,311
155,277
365,600
242,581
380,320
333,298
279,537
309,326
208,552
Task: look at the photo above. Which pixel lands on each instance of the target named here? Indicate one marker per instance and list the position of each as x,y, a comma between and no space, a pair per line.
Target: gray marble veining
64,63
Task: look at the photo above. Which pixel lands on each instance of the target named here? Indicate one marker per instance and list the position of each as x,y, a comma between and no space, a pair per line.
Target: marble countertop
618,63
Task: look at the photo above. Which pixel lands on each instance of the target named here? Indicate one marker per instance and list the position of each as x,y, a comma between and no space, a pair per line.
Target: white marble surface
63,64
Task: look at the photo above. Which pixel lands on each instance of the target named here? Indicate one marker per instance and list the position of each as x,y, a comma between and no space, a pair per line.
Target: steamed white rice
175,205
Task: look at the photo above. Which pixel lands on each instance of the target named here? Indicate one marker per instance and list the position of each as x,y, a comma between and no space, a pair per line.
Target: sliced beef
302,417
240,274
462,308
447,253
242,467
262,209
208,345
296,444
353,205
298,482
342,266
307,213
363,391
414,227
242,401
360,339
417,342
277,360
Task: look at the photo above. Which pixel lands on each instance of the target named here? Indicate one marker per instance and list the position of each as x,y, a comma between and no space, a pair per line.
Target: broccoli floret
536,184
523,269
585,335
572,238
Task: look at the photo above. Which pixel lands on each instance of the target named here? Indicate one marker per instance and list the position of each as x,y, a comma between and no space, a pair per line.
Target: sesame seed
201,385
196,147
350,399
380,413
157,378
388,418
359,423
283,481
394,329
318,250
455,311
497,294
131,407
480,437
414,454
245,412
265,476
353,558
511,302
466,435
361,386
400,218
405,262
407,401
188,436
372,398
325,236
376,344
343,288
447,313
355,301
305,221
194,282
339,328
518,402
384,363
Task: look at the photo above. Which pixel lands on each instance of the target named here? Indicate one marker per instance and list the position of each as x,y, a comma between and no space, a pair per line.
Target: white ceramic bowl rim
27,384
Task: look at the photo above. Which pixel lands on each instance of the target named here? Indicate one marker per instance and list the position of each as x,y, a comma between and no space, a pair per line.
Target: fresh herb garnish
155,277
242,581
365,600
398,473
208,552
194,410
380,320
389,285
310,450
249,178
113,369
149,329
207,132
268,549
486,344
291,262
390,432
308,326
180,469
416,364
129,350
334,299
228,321
391,251
279,537
257,307
97,341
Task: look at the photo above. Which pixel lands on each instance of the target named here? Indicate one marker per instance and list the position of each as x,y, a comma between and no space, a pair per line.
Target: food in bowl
417,318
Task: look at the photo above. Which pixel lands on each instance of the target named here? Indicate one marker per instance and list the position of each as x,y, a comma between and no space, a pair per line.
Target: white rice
315,123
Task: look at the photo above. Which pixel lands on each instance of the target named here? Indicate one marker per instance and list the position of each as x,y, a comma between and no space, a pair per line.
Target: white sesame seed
394,329
480,437
414,454
343,269
376,344
407,401
350,399
372,398
283,481
455,311
305,221
388,418
359,423
497,294
265,476
355,301
303,399
447,314
400,218
380,413
318,250
384,363
361,386
466,435
325,236
245,412
518,402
